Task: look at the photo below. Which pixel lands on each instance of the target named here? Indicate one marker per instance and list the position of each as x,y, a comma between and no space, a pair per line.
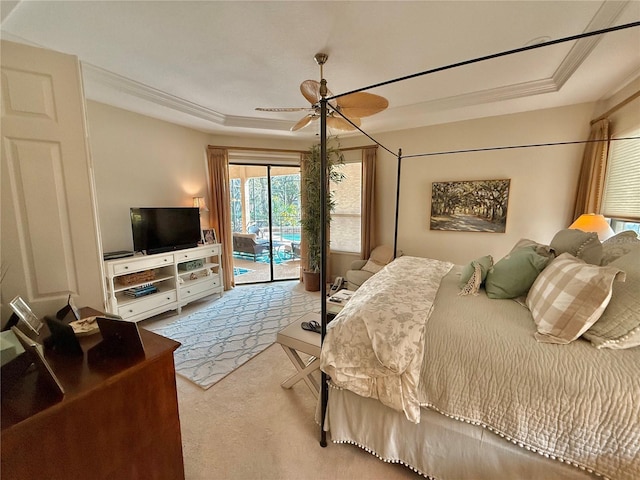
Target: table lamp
591,222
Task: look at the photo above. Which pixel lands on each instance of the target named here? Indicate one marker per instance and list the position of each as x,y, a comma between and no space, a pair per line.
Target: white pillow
372,267
569,296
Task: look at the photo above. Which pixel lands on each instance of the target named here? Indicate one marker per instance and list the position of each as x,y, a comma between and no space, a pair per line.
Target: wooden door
50,242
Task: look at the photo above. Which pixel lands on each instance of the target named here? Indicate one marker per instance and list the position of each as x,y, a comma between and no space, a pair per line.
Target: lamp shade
591,222
198,202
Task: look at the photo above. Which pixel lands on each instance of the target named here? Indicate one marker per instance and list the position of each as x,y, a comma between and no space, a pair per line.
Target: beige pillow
568,297
382,254
618,245
619,326
372,267
583,245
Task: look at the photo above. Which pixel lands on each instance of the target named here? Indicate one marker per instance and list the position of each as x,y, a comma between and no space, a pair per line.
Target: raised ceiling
208,64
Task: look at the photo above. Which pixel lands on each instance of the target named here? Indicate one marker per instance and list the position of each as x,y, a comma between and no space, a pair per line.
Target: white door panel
50,241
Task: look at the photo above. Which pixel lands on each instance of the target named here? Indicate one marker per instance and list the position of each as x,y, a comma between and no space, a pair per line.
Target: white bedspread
378,353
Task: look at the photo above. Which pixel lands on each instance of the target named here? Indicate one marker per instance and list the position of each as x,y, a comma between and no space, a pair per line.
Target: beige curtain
594,168
367,201
220,208
304,250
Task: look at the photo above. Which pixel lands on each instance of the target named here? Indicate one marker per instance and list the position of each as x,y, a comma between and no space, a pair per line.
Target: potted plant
311,215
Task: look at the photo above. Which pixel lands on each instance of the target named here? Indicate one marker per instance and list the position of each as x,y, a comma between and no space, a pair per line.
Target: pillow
619,326
568,297
485,264
540,249
618,245
583,245
513,275
474,274
382,254
372,267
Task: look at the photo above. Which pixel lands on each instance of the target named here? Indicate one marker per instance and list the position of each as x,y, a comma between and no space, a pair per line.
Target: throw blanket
375,346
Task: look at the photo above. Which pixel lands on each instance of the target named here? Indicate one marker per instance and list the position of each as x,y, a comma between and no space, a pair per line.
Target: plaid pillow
568,297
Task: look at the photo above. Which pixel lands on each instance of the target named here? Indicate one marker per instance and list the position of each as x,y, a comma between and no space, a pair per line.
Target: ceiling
209,64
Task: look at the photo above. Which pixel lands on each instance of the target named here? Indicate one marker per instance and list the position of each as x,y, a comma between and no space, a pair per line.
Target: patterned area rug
218,339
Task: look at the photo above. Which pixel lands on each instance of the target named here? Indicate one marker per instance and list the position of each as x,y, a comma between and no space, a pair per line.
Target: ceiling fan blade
310,90
361,104
340,123
292,109
303,122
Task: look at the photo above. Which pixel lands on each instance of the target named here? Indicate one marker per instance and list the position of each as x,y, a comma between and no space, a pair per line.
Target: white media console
180,277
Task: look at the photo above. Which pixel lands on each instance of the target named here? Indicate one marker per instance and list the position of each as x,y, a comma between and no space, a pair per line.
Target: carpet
221,337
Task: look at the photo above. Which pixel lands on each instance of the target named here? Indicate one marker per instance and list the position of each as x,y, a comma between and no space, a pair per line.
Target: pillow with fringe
474,274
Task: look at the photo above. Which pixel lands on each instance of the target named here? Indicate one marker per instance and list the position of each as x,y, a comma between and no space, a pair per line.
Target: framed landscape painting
470,206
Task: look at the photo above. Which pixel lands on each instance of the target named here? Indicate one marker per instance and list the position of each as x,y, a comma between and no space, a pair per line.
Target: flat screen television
163,229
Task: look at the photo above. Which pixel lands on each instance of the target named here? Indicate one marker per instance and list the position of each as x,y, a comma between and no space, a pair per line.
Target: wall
543,179
141,162
626,117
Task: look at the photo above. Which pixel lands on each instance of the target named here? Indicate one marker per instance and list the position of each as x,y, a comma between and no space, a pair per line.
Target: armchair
362,270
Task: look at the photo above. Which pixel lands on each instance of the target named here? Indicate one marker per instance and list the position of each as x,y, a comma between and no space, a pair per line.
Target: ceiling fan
353,106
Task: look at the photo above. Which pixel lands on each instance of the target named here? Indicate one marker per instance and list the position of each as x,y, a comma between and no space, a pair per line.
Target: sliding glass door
265,215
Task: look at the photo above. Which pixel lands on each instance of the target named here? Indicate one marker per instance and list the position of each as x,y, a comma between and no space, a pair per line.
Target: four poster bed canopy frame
325,109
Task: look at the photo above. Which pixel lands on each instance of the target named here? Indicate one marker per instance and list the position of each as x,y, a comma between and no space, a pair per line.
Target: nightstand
337,301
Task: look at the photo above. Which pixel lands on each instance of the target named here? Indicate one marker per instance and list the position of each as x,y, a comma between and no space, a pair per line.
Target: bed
467,386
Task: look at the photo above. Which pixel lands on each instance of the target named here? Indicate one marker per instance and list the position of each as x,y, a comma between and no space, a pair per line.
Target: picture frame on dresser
209,236
24,312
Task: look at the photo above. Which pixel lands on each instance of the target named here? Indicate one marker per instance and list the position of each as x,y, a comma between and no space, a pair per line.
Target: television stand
177,278
118,254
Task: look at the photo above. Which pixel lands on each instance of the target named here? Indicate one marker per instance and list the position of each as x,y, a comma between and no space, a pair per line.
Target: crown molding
604,18
579,52
105,78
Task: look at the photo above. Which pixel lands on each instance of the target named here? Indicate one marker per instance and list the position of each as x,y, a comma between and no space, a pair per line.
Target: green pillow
485,263
583,245
514,274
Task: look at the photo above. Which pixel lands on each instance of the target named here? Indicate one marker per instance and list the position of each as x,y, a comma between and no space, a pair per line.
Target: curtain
367,201
220,208
593,170
304,249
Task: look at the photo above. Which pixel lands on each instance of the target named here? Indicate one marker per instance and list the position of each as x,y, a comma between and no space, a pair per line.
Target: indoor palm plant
311,209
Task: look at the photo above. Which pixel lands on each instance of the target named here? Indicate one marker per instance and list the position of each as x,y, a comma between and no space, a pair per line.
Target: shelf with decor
142,286
197,275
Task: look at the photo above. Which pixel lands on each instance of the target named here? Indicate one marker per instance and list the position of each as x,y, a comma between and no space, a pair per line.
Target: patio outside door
265,213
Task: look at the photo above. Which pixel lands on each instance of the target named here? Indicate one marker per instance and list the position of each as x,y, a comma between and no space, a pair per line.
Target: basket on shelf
136,277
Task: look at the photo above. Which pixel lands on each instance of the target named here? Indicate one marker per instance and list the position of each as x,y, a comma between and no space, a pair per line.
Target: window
621,201
346,217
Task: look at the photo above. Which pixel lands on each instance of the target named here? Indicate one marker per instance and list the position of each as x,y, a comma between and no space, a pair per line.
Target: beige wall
141,161
543,179
626,117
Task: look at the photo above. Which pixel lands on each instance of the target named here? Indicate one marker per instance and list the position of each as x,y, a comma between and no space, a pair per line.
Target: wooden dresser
117,419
